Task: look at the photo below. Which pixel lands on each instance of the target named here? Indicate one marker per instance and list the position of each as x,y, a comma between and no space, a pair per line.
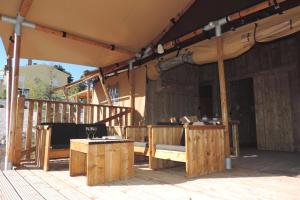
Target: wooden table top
100,141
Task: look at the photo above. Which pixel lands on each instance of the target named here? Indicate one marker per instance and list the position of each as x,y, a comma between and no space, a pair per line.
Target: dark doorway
242,109
206,101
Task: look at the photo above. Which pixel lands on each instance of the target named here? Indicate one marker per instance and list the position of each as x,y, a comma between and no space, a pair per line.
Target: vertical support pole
132,92
88,101
18,132
223,94
8,102
15,84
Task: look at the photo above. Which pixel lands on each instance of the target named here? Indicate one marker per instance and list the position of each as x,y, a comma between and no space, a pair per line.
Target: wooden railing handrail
114,116
74,103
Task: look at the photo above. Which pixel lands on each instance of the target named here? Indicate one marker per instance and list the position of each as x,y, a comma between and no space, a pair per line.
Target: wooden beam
101,78
223,94
24,7
233,17
81,39
132,95
13,106
70,85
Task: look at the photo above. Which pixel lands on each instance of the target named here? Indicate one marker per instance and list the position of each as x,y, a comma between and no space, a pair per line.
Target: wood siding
273,112
176,92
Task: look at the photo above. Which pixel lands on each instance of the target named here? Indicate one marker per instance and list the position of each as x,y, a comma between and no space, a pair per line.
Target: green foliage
42,90
3,93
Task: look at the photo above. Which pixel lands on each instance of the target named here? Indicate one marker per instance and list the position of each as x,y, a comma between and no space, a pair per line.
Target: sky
75,70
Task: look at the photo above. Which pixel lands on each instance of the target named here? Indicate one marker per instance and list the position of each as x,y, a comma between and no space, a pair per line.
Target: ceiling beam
24,7
70,36
66,35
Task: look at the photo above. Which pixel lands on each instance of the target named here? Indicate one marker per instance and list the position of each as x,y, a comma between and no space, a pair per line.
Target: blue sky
75,70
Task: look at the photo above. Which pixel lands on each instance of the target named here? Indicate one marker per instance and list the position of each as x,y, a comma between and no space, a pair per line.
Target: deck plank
24,189
44,188
7,191
60,186
255,175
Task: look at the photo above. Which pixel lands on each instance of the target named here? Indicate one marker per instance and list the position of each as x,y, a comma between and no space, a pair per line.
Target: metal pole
14,93
7,106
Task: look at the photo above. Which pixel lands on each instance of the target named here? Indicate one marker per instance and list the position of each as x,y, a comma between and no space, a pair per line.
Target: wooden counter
101,160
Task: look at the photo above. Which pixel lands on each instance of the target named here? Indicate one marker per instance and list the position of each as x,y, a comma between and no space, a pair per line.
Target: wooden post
88,101
105,90
223,94
8,102
18,132
132,93
14,94
29,128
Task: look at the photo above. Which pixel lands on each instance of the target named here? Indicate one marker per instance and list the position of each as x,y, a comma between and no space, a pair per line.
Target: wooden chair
53,140
139,134
202,152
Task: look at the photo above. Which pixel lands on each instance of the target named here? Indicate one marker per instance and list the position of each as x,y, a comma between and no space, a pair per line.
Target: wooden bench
202,152
53,140
139,134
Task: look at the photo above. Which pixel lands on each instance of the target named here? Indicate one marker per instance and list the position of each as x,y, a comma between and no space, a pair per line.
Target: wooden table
101,160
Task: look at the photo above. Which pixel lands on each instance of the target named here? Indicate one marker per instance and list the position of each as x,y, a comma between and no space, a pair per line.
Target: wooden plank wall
174,95
281,56
273,112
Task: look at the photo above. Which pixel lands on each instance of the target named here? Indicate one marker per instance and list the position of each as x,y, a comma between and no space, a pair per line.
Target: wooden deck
256,175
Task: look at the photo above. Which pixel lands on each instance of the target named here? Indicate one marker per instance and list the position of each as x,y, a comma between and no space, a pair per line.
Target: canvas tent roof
130,24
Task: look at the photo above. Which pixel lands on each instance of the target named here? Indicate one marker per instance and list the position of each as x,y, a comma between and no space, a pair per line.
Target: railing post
29,129
18,130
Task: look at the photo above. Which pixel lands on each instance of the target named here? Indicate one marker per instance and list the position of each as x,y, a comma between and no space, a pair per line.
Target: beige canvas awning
128,24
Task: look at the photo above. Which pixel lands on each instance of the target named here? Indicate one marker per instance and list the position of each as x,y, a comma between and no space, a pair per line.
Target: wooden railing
31,112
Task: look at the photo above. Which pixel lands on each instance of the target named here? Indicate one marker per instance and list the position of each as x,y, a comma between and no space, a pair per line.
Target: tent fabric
240,40
129,24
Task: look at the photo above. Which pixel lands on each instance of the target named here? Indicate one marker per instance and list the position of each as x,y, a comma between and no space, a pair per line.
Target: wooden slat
64,116
109,117
104,113
24,189
85,114
78,114
48,112
7,191
98,111
29,128
18,130
92,109
71,114
56,113
40,185
39,112
96,160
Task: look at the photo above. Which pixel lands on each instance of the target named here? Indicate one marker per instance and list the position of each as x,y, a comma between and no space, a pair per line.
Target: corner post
223,94
132,92
8,75
14,91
